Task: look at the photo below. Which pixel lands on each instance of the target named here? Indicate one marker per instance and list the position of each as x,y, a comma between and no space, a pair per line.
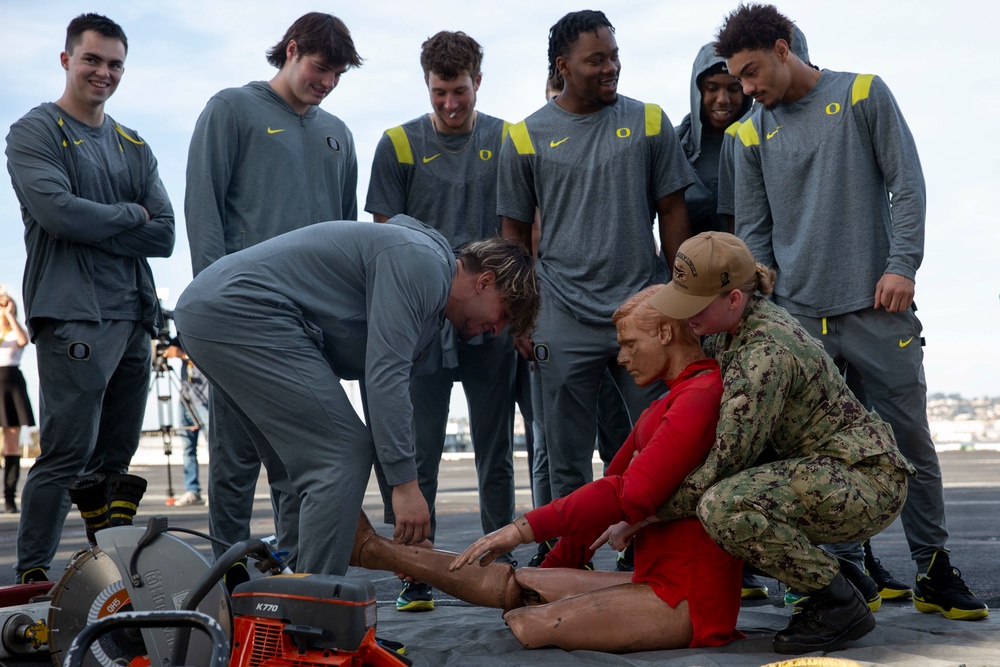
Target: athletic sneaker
862,582
942,590
543,550
888,588
33,575
753,588
189,498
626,559
390,645
415,596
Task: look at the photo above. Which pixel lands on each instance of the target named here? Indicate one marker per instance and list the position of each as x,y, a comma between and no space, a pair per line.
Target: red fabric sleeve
681,437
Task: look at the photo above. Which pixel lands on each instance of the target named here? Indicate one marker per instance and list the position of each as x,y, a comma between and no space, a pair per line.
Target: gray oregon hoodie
703,197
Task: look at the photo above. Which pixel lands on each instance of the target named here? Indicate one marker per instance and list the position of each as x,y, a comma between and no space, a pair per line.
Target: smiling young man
846,264
441,168
94,209
259,152
717,101
386,292
598,166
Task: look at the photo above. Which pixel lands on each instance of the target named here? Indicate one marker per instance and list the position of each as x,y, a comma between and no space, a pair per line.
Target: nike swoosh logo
906,342
771,134
553,144
270,131
433,157
77,143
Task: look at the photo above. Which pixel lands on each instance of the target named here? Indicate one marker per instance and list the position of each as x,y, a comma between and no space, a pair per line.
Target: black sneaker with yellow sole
942,590
888,587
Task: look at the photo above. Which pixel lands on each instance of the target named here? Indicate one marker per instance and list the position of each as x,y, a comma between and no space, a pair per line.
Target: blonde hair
516,282
649,319
762,281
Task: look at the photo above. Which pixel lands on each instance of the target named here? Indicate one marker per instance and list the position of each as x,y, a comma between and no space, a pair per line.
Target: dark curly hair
449,54
567,30
102,25
752,27
320,33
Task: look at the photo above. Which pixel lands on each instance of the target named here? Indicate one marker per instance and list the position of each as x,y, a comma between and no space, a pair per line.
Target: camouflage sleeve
755,389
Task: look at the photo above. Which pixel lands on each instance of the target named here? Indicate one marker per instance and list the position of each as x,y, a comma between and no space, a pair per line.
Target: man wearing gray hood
717,101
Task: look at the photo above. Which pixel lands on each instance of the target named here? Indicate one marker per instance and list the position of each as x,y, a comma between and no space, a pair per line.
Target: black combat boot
831,617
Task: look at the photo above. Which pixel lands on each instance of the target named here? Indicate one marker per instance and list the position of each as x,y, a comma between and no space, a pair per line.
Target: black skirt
15,407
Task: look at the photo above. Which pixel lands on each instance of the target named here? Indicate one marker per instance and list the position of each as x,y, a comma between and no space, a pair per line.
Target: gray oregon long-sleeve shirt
814,180
373,296
253,161
63,230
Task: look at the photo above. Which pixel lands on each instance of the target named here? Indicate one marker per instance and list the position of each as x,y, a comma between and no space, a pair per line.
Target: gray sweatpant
577,356
317,451
884,352
233,469
487,373
93,382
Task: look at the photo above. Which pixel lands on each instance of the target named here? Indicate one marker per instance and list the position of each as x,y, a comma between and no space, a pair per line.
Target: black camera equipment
165,381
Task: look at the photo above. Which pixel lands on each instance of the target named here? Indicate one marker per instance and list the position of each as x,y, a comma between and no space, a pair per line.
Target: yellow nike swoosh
270,131
771,134
907,342
553,144
77,143
428,159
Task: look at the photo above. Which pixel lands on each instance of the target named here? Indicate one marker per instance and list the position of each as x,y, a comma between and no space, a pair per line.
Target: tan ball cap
707,265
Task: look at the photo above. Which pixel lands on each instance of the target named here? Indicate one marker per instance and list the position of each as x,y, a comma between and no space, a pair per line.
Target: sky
937,57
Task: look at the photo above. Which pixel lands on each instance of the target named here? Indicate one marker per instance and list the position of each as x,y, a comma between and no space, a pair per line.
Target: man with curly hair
825,164
441,168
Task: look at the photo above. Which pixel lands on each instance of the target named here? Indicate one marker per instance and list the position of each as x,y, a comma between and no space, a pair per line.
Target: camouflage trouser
775,515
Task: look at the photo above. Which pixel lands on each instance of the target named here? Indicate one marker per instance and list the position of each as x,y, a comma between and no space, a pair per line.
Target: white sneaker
189,498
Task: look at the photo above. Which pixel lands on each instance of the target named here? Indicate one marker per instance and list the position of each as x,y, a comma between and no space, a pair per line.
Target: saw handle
151,619
251,547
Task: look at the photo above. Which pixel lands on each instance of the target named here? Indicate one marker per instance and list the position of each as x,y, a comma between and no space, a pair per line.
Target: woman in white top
15,407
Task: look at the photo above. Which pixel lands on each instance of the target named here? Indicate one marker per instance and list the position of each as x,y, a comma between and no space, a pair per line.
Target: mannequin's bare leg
556,583
490,586
619,619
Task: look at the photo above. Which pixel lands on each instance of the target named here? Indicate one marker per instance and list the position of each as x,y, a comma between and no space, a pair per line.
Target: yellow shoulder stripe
522,140
401,144
862,86
748,134
654,118
733,129
125,134
506,131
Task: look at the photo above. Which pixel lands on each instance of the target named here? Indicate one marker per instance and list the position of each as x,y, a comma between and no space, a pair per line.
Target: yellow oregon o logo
832,108
485,154
623,132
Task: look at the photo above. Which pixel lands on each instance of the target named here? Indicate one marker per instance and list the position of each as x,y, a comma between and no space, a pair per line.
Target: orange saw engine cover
307,620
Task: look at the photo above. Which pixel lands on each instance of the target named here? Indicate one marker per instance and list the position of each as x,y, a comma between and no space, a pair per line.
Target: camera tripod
165,382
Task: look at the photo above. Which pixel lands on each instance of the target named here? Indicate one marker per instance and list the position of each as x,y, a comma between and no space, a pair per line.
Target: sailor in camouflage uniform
832,471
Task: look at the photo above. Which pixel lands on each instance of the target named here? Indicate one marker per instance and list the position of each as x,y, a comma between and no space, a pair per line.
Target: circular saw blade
90,589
